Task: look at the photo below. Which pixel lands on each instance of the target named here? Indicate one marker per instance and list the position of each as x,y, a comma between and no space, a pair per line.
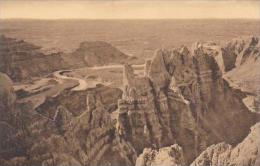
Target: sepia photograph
129,83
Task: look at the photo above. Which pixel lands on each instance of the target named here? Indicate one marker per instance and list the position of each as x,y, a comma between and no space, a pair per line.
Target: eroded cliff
183,99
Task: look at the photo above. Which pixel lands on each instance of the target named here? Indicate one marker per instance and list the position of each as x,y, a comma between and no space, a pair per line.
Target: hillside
22,60
96,53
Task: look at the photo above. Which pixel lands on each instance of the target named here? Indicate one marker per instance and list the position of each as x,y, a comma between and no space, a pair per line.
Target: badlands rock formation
239,63
183,99
246,74
234,54
244,154
167,156
222,154
181,105
22,60
70,136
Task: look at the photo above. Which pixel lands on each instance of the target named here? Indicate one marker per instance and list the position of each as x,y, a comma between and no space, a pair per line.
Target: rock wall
83,138
183,99
236,52
244,154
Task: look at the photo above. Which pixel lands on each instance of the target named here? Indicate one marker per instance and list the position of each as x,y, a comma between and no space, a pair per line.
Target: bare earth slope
96,53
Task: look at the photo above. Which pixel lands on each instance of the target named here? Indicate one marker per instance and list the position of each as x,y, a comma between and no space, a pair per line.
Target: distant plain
134,37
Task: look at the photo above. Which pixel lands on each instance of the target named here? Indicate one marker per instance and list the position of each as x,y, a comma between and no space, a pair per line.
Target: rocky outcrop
183,99
244,154
168,156
95,53
77,101
245,75
72,136
235,53
22,60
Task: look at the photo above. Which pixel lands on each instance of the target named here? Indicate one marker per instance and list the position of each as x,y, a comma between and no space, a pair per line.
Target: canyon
183,106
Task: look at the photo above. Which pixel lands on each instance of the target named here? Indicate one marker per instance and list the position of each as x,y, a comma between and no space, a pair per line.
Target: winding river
83,85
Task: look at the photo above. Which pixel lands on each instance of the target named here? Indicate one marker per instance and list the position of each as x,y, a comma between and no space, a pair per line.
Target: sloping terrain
244,154
95,53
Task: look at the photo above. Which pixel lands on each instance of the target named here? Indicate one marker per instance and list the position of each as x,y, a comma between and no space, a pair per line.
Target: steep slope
235,53
222,154
73,128
183,99
244,154
239,62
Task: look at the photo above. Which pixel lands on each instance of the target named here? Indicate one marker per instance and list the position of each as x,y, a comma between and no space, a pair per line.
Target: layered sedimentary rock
167,156
245,74
244,154
86,137
183,99
22,60
78,101
235,53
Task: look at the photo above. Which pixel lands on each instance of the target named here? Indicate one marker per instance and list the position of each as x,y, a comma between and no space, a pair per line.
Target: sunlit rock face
235,53
92,134
167,156
245,153
151,114
137,112
182,99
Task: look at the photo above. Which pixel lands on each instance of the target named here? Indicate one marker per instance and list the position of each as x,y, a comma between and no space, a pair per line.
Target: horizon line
54,19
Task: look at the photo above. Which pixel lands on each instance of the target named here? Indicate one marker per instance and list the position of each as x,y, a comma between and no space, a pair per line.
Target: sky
129,9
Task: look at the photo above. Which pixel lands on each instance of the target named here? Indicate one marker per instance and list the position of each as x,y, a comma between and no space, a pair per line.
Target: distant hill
22,60
95,53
